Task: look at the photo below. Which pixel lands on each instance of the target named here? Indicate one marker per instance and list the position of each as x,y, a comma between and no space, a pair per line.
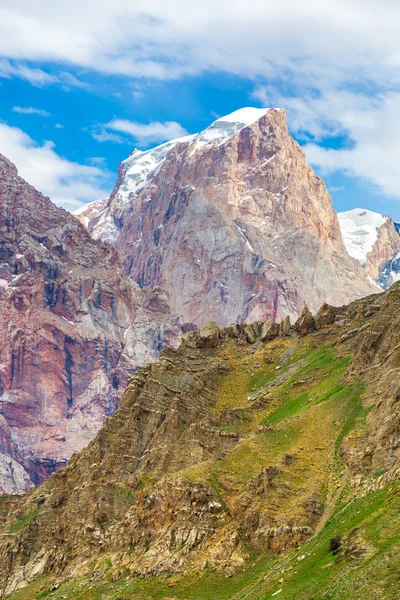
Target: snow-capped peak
227,126
360,231
141,166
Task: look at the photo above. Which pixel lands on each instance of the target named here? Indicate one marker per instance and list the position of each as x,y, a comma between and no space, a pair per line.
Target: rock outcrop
225,444
232,222
72,330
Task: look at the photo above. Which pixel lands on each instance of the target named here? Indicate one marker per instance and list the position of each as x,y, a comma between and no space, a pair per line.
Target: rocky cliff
244,442
72,330
374,241
232,222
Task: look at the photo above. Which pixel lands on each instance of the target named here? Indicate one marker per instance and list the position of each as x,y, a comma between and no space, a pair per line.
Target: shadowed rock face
72,330
233,223
226,443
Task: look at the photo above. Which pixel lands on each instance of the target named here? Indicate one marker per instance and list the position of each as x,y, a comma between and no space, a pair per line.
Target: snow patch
244,234
376,284
71,322
226,127
360,231
268,160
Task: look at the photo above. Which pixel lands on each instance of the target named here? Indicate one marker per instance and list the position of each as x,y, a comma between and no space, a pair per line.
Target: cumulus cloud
143,133
253,37
319,52
148,133
67,183
29,110
369,124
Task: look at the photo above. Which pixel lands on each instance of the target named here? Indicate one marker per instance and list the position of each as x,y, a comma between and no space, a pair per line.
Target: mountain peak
373,240
229,125
224,220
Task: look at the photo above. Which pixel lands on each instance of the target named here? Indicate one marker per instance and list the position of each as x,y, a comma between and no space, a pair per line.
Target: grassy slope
319,575
309,412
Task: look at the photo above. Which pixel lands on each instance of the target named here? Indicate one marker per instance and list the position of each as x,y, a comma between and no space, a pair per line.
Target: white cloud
67,183
100,134
29,110
59,126
35,76
98,161
150,133
253,37
317,50
38,77
369,123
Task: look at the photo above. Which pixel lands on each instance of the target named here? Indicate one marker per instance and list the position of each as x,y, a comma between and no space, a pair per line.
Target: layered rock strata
73,328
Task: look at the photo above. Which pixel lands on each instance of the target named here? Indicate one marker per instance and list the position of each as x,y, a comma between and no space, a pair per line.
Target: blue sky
82,85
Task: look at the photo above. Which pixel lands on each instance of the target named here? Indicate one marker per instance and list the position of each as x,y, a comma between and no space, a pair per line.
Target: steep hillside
252,461
72,330
232,222
374,240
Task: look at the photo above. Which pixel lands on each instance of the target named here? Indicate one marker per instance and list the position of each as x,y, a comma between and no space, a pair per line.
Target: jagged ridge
244,437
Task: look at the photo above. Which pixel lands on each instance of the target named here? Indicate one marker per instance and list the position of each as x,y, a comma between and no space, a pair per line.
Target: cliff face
233,223
374,241
247,437
72,330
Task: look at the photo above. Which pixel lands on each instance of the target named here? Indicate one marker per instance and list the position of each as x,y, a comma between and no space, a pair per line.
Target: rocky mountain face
232,222
244,442
374,240
72,330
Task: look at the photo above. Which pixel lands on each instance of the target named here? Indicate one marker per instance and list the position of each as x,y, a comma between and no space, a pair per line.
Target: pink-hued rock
233,223
73,328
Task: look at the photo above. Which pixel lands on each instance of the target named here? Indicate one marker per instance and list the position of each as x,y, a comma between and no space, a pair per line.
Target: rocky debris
285,328
271,330
181,475
264,481
72,330
208,336
225,221
351,547
306,323
325,317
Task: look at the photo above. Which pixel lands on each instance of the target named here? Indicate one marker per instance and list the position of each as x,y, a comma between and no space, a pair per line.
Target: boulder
269,330
306,323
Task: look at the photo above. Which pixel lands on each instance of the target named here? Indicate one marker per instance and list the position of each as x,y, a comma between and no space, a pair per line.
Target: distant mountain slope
72,330
224,457
374,240
232,222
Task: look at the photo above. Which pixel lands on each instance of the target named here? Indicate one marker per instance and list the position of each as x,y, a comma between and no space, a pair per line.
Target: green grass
310,413
15,527
320,379
125,494
320,575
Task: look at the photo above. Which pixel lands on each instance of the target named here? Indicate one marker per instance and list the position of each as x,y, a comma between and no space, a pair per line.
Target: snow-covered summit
360,229
139,169
225,127
141,165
